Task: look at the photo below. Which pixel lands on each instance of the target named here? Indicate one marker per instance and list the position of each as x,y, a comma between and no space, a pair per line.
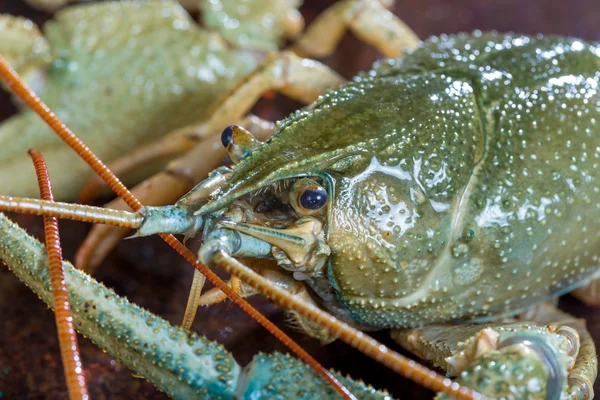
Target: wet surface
148,272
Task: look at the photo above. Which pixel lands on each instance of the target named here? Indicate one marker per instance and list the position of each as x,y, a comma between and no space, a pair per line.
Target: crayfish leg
299,78
543,354
279,376
367,19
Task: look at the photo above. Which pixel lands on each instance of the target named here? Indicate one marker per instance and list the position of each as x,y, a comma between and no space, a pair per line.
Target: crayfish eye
313,199
227,136
307,196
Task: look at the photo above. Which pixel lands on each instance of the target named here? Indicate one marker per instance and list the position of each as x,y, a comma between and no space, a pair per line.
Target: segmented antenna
75,212
67,338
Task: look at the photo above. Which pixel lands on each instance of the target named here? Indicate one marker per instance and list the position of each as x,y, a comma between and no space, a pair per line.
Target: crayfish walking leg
543,354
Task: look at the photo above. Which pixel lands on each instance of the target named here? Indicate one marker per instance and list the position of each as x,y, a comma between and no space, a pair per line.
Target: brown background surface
148,273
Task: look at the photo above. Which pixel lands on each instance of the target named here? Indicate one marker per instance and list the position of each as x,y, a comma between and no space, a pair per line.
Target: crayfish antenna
67,338
75,212
19,88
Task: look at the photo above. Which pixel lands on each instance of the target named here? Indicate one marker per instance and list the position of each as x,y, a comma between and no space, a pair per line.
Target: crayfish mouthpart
300,247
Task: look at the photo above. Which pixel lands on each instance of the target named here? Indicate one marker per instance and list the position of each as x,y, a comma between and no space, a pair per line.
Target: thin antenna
67,338
75,212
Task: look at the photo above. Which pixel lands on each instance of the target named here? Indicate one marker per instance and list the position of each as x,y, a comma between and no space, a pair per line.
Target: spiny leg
67,337
367,19
502,359
178,177
301,79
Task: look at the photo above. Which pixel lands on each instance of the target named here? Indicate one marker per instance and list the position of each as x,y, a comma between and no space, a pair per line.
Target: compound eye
227,136
313,199
308,196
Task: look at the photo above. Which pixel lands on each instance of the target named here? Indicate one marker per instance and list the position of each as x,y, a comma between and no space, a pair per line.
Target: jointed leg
500,358
367,19
299,78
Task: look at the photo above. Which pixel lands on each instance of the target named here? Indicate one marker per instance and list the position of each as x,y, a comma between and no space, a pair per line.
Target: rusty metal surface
148,273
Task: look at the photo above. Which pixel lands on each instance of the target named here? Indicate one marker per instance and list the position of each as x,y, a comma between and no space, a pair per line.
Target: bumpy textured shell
464,177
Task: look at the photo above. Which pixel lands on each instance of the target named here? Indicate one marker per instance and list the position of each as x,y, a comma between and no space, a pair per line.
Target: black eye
226,136
313,199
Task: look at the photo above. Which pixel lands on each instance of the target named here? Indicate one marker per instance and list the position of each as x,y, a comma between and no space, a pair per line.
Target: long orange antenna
67,338
359,340
75,212
36,104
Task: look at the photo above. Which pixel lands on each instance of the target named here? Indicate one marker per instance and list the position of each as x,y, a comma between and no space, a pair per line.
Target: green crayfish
442,195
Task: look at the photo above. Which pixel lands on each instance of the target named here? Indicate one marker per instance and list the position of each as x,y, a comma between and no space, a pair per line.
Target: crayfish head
284,221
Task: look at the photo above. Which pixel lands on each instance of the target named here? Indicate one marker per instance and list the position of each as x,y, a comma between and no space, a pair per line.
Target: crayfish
445,194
